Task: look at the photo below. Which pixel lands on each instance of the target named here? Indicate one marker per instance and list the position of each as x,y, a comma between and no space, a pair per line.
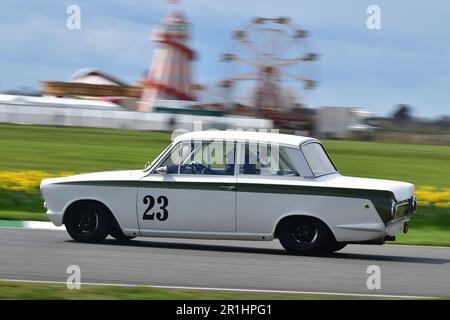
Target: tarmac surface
44,255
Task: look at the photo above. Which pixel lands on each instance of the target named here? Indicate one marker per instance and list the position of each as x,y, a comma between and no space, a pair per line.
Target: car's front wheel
338,246
87,222
117,233
305,235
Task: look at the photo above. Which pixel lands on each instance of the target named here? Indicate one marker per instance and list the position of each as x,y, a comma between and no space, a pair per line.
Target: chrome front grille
403,210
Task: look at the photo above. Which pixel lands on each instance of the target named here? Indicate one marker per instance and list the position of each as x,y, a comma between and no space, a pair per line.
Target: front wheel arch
90,201
305,235
115,230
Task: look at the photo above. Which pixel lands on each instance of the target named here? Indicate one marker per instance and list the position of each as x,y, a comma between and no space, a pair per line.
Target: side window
209,158
266,160
202,157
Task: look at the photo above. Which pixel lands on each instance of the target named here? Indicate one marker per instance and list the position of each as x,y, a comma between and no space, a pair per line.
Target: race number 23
162,214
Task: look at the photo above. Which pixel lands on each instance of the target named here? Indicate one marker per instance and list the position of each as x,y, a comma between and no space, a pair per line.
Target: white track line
41,225
233,289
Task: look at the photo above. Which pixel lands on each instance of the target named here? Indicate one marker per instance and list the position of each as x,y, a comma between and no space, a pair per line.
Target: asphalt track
44,255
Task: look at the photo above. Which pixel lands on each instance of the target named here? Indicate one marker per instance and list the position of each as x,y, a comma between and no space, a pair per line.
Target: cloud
114,44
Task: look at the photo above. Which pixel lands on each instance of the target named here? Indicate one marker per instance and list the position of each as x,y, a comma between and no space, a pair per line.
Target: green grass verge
56,149
425,237
23,216
418,164
430,226
14,201
39,291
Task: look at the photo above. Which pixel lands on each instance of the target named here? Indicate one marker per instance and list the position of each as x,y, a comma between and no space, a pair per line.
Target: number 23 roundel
162,214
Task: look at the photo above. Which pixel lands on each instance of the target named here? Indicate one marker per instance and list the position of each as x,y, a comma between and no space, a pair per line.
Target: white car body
237,206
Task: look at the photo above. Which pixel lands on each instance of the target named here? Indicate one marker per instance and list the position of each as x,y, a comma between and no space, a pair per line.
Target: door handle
228,188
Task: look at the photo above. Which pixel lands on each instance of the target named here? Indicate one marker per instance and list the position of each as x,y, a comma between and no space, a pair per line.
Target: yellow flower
25,181
434,196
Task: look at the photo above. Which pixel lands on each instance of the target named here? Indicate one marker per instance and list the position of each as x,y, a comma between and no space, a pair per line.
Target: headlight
414,204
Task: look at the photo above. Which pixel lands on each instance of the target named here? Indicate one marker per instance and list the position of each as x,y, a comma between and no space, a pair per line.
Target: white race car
234,185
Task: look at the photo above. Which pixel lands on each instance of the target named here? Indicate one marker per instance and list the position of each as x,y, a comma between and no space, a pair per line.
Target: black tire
88,222
338,246
116,232
305,236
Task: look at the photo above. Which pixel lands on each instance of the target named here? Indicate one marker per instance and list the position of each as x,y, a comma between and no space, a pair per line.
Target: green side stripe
382,200
112,183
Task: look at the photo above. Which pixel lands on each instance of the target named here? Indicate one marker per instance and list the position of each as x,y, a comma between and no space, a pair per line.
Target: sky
407,61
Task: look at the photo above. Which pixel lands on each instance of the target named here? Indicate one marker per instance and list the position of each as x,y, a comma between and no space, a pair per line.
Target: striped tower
169,77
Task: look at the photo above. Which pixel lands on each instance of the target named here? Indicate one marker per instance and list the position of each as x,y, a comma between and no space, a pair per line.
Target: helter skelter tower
170,74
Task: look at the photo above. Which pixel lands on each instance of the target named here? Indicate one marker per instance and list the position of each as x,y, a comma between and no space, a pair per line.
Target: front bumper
396,226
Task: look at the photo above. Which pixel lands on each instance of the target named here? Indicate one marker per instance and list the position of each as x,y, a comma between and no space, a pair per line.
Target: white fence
131,120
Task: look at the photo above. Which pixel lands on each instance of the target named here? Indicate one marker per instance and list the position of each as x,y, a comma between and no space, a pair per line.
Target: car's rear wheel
305,235
87,222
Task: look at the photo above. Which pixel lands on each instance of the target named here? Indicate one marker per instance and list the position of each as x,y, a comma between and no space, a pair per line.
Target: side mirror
162,170
148,165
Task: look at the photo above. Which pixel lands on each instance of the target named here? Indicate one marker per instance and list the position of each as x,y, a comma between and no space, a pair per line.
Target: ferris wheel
268,65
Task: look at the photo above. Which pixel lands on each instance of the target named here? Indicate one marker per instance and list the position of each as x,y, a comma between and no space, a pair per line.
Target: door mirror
162,170
148,165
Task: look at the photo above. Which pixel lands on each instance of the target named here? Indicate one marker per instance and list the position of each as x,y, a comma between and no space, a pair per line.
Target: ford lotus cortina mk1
234,185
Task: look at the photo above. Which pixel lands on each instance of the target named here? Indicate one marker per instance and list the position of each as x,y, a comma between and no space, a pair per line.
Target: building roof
54,102
272,138
89,75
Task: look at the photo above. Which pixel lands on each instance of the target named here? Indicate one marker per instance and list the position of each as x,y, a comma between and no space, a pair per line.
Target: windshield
149,164
318,160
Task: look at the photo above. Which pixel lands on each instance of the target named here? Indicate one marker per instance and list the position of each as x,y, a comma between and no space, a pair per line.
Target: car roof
236,135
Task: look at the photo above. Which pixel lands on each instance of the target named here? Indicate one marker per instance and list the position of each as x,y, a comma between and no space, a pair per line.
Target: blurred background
100,86
309,67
